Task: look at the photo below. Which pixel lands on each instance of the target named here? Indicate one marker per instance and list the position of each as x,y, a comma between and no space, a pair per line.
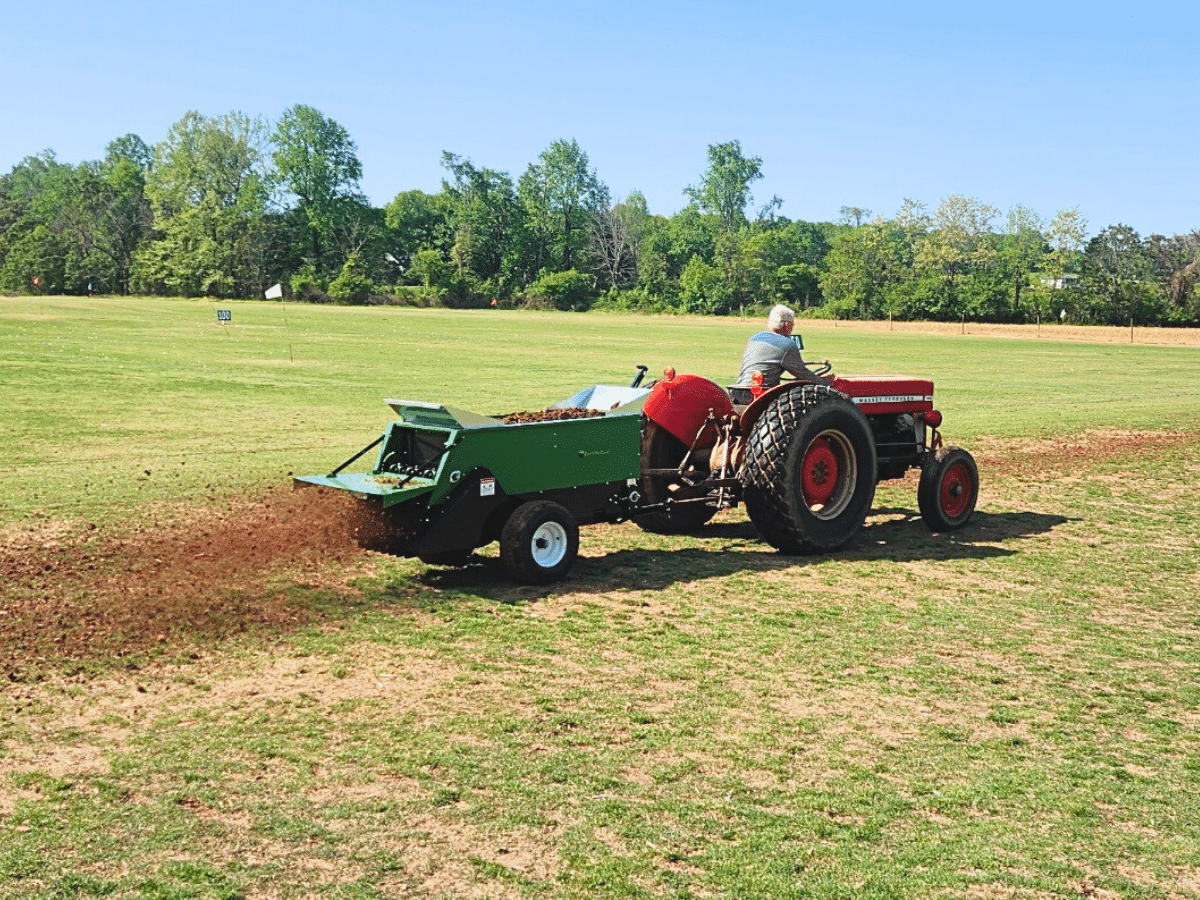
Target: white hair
780,316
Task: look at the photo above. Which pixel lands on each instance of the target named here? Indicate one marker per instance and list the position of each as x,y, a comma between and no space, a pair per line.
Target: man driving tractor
775,351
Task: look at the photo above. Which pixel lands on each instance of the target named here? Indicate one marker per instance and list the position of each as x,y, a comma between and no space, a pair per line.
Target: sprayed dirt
184,578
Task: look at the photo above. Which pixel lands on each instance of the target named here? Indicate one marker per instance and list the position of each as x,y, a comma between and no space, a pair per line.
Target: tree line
227,206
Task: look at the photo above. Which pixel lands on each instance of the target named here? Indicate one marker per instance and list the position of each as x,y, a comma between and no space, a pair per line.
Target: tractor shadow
726,548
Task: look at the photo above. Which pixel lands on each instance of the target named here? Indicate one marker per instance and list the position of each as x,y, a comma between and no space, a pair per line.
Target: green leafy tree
487,219
1117,283
317,163
562,196
431,268
109,215
1022,249
208,190
866,270
802,249
668,245
914,219
703,289
782,264
360,228
353,283
125,207
418,221
738,263
34,261
1176,264
854,216
570,290
655,278
959,246
41,202
724,189
1065,236
682,236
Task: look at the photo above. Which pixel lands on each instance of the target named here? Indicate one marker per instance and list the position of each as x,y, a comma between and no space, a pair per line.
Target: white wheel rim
549,545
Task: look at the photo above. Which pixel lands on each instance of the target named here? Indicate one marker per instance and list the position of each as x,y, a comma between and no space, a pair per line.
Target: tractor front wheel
539,542
810,471
948,489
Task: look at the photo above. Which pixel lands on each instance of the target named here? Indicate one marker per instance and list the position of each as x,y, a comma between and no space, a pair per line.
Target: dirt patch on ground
186,576
1036,458
189,577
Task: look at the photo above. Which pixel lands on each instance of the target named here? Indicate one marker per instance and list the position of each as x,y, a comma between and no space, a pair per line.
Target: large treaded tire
810,472
662,450
948,489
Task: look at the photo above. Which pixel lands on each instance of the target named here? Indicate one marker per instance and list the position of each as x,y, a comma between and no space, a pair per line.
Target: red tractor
804,458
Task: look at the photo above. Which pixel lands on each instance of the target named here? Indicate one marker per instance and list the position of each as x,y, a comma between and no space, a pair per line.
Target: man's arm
793,363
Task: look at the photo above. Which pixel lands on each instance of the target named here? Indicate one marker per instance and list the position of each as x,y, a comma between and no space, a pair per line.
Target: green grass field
1010,711
102,391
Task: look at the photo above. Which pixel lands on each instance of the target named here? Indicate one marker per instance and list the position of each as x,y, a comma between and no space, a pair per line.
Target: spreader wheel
810,471
539,542
948,489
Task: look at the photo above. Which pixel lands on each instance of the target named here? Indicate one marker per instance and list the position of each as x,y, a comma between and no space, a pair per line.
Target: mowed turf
1009,711
112,403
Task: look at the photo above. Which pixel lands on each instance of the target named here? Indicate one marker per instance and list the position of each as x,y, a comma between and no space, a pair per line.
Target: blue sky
1048,105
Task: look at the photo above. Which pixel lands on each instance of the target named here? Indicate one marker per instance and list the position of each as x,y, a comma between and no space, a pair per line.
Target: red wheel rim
819,473
956,489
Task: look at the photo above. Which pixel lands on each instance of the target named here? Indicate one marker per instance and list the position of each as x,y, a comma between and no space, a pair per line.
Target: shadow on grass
727,548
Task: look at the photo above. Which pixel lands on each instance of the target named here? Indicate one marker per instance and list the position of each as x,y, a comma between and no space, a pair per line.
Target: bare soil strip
1095,334
185,577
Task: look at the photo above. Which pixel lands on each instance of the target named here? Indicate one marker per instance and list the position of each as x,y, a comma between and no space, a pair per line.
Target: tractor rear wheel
539,542
810,471
662,450
948,489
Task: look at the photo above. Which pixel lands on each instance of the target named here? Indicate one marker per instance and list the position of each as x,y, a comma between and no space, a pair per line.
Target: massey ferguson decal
895,398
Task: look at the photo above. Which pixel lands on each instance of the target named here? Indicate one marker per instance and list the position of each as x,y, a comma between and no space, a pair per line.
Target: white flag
275,292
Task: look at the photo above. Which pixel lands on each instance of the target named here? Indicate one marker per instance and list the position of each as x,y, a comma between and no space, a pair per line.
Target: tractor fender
681,404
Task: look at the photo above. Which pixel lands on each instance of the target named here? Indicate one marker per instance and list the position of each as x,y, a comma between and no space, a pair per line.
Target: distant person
776,351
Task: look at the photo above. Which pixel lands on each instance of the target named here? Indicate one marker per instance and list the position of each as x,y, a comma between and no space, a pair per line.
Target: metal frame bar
357,456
